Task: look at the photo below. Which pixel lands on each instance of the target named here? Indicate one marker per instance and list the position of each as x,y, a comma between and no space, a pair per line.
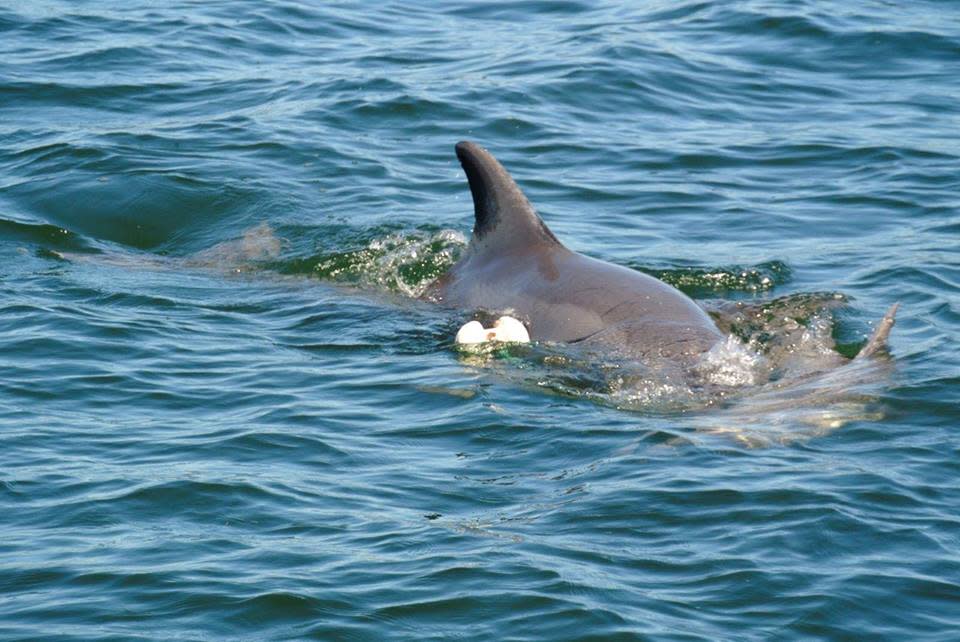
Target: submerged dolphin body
514,264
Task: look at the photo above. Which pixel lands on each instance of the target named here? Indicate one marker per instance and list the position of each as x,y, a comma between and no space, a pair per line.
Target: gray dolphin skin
515,265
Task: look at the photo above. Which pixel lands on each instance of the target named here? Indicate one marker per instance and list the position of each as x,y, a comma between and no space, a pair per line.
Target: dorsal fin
502,214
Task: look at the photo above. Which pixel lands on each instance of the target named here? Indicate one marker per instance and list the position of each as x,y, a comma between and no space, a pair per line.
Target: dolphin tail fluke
878,340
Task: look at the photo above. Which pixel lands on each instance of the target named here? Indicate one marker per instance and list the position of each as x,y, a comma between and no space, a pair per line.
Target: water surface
224,415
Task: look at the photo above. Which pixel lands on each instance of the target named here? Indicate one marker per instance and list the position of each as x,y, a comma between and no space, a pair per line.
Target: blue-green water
224,415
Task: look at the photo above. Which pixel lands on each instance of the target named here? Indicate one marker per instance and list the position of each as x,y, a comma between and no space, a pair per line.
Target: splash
401,262
791,410
794,333
776,379
733,364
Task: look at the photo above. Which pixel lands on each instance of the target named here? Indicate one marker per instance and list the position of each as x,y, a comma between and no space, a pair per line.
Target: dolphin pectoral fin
878,340
503,217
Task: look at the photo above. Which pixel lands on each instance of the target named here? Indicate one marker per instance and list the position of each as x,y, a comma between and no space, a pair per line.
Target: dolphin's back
563,296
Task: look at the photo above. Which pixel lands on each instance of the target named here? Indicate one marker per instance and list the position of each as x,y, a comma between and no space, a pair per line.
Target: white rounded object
510,329
471,333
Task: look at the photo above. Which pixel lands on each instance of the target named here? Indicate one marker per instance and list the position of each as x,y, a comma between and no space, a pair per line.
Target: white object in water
472,333
506,329
510,329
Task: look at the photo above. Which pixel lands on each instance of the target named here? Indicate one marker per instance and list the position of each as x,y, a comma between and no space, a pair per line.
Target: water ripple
225,415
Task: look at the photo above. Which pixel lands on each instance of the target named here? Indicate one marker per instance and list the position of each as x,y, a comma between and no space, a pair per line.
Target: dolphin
515,265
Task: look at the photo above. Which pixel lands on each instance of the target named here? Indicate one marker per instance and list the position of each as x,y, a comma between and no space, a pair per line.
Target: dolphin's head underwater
515,265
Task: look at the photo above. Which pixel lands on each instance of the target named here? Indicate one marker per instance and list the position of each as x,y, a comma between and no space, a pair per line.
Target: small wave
403,262
44,235
702,282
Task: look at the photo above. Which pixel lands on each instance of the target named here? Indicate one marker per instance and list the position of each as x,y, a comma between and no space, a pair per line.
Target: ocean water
225,415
